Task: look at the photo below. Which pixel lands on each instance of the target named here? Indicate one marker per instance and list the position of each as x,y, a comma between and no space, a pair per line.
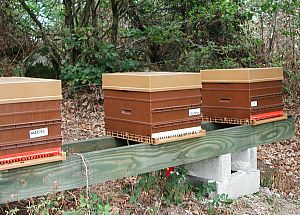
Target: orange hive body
30,120
242,94
154,107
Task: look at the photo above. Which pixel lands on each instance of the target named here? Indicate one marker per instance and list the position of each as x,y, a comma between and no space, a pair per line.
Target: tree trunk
87,13
115,21
273,34
51,48
95,16
69,19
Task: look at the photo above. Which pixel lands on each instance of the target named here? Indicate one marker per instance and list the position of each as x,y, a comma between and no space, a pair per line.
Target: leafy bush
205,189
174,188
57,204
213,56
93,205
90,58
217,201
171,189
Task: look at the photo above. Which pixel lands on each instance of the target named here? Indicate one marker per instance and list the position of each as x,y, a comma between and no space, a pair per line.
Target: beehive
153,107
30,120
242,95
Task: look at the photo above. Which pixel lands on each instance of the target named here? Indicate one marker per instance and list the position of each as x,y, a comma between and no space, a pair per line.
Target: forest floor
279,164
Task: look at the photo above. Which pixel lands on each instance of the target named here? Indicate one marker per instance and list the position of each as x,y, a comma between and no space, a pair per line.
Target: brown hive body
30,118
147,103
254,93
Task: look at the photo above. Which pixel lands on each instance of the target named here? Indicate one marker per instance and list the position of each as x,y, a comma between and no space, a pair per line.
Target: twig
86,173
31,53
76,202
159,204
21,46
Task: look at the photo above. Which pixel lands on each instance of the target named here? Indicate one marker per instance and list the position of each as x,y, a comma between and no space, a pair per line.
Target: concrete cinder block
241,161
240,184
218,168
253,158
245,160
244,180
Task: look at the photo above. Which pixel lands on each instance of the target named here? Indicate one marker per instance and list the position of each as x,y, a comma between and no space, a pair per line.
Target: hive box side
175,81
30,120
148,102
19,90
134,111
266,74
242,93
244,75
151,81
125,81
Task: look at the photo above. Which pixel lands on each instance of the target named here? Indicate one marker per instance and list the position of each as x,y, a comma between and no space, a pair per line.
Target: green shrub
90,58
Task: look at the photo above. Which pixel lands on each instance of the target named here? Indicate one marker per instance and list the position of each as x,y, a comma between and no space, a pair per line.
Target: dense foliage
83,39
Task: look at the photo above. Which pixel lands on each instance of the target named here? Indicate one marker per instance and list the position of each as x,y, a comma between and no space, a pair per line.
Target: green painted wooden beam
117,162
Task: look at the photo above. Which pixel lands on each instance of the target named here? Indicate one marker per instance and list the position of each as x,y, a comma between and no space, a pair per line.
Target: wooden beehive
30,121
242,95
153,107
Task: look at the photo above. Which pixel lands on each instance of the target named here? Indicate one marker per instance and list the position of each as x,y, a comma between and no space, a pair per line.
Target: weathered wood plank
131,160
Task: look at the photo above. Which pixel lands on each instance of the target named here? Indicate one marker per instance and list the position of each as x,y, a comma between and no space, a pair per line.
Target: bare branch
50,47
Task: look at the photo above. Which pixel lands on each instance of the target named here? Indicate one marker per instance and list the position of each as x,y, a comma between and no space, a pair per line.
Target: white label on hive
254,104
41,132
194,112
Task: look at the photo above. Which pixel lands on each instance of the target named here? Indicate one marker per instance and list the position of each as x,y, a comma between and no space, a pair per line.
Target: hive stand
236,174
109,158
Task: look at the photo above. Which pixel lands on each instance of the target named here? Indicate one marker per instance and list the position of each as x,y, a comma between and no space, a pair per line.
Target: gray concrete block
218,168
241,161
244,180
253,158
240,184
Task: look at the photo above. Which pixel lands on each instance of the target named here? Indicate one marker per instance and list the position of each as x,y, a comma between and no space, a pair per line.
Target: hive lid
20,89
246,75
151,81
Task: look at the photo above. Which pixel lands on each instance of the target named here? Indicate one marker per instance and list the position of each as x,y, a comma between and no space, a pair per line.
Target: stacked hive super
242,96
153,107
30,122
